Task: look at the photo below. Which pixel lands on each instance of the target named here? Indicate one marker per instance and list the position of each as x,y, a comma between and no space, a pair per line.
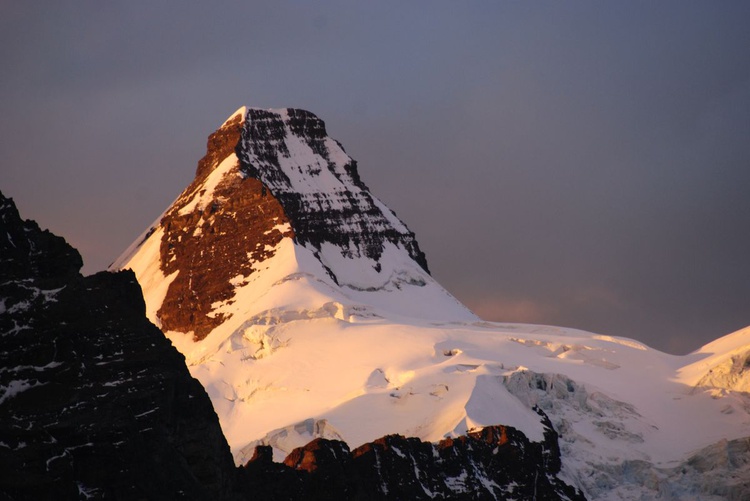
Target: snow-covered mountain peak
274,181
305,308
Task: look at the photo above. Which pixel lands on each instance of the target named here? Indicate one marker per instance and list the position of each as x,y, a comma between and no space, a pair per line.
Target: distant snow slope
337,330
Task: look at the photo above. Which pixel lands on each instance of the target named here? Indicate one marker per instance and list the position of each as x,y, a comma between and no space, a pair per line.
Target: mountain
274,187
96,404
306,309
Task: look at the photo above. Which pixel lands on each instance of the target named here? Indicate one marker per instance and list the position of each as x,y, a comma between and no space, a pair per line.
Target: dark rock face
346,216
46,257
497,462
95,402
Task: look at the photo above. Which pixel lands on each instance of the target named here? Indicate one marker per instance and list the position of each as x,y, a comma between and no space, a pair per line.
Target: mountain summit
272,181
305,308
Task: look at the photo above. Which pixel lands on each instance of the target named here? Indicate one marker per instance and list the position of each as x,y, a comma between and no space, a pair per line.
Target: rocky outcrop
497,462
28,252
95,402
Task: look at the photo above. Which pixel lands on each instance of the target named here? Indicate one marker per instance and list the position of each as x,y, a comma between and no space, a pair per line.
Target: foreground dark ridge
95,401
97,404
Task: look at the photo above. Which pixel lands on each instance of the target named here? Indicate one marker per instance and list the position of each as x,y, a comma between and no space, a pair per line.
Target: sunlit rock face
219,228
95,402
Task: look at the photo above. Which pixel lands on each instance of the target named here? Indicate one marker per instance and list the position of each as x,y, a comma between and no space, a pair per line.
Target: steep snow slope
305,308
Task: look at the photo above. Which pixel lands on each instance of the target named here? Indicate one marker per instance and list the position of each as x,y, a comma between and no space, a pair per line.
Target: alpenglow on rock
269,175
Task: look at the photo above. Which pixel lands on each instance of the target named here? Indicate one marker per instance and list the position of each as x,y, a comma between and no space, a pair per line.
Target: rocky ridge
96,403
496,462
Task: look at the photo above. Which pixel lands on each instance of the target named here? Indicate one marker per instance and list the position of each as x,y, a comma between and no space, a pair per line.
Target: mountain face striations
319,187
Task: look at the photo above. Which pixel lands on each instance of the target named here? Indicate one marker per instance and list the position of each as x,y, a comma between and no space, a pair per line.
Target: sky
581,164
